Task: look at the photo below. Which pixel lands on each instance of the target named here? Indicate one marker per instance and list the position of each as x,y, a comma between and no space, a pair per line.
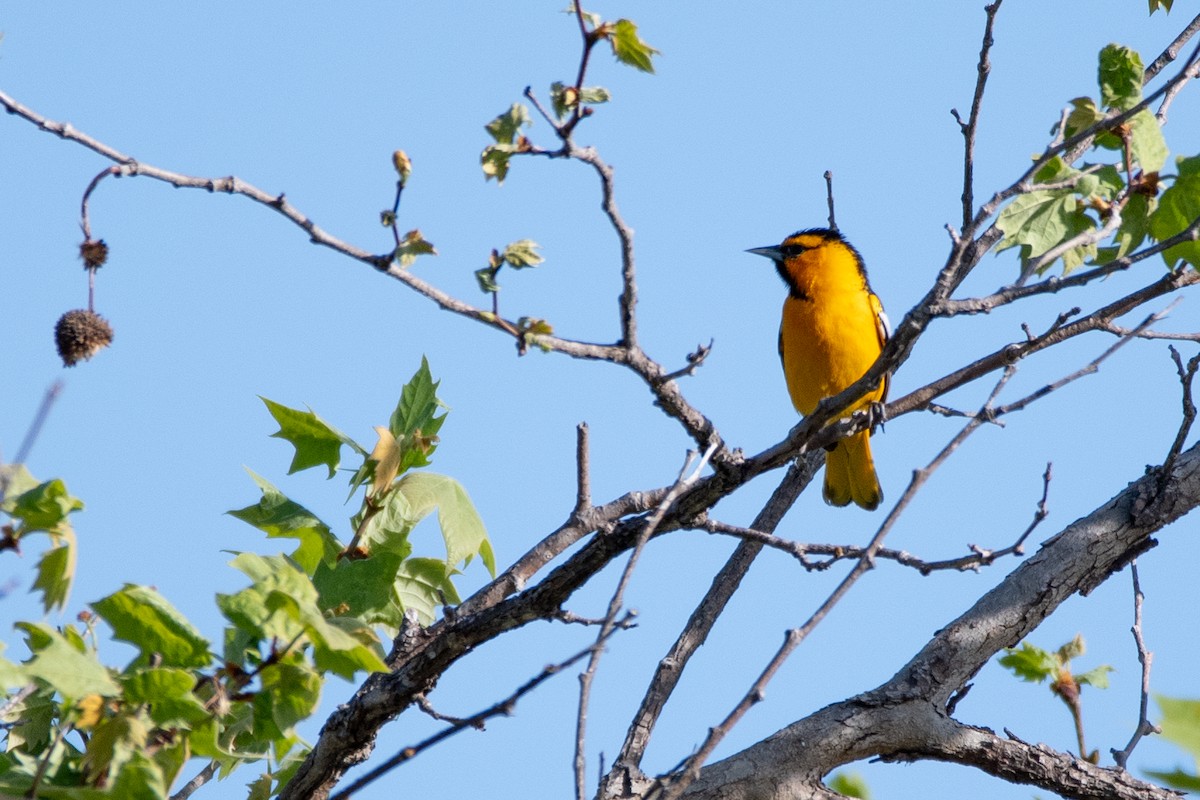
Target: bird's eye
790,250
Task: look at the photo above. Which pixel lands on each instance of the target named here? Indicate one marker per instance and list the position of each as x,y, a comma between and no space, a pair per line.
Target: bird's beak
772,252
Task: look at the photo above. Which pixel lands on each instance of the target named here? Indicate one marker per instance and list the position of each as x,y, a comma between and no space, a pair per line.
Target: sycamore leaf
1072,649
362,589
850,784
289,694
167,693
143,617
1084,114
1120,75
1097,677
523,253
507,126
64,668
386,529
423,584
1146,141
316,441
1178,207
279,517
1177,779
629,48
462,529
1181,723
487,279
415,421
413,244
1134,228
494,161
56,570
42,507
1030,663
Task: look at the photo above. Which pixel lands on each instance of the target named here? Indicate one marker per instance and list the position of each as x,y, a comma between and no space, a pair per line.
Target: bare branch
504,707
583,491
1172,51
202,777
704,617
1144,726
35,427
687,477
971,127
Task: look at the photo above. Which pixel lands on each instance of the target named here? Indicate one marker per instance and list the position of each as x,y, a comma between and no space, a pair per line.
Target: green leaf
1165,5
418,406
1072,649
316,441
1097,677
1030,663
1121,75
415,421
1178,207
494,161
279,517
523,253
1084,114
1146,141
364,589
1177,779
42,507
386,529
629,48
850,784
594,95
167,694
462,529
1133,231
1037,221
289,694
1181,722
64,668
141,616
487,279
507,126
423,584
412,245
56,571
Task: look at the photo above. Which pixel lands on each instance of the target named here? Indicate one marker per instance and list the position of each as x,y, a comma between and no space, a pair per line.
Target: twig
703,618
35,427
571,618
1144,726
829,199
971,127
1172,51
504,707
695,360
202,777
1186,375
687,476
677,783
833,553
583,490
422,702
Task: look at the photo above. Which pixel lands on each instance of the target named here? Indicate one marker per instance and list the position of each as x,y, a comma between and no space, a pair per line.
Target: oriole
832,331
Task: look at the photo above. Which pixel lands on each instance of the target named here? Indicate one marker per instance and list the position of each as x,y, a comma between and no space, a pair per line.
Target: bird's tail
850,473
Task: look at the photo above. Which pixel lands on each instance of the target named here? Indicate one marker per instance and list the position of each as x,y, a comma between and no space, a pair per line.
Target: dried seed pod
80,334
94,253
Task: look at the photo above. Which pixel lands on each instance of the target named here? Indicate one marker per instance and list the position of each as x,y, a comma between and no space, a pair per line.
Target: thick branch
906,718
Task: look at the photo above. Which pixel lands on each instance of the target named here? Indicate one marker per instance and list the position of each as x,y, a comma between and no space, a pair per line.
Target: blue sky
215,301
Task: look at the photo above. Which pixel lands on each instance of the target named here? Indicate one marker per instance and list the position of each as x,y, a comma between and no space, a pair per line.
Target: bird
833,329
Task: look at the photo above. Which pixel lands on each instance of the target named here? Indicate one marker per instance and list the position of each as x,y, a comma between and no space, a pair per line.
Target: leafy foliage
301,617
1068,212
1180,725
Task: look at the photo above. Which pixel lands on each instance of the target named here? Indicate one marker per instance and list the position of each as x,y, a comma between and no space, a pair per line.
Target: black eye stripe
789,250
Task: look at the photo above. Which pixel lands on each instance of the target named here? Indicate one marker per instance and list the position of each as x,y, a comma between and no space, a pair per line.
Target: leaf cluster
1123,199
76,728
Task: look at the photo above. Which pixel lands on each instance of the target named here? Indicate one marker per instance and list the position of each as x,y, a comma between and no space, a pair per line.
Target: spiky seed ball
94,253
80,334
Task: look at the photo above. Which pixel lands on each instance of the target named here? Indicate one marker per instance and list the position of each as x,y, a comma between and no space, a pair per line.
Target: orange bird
832,331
